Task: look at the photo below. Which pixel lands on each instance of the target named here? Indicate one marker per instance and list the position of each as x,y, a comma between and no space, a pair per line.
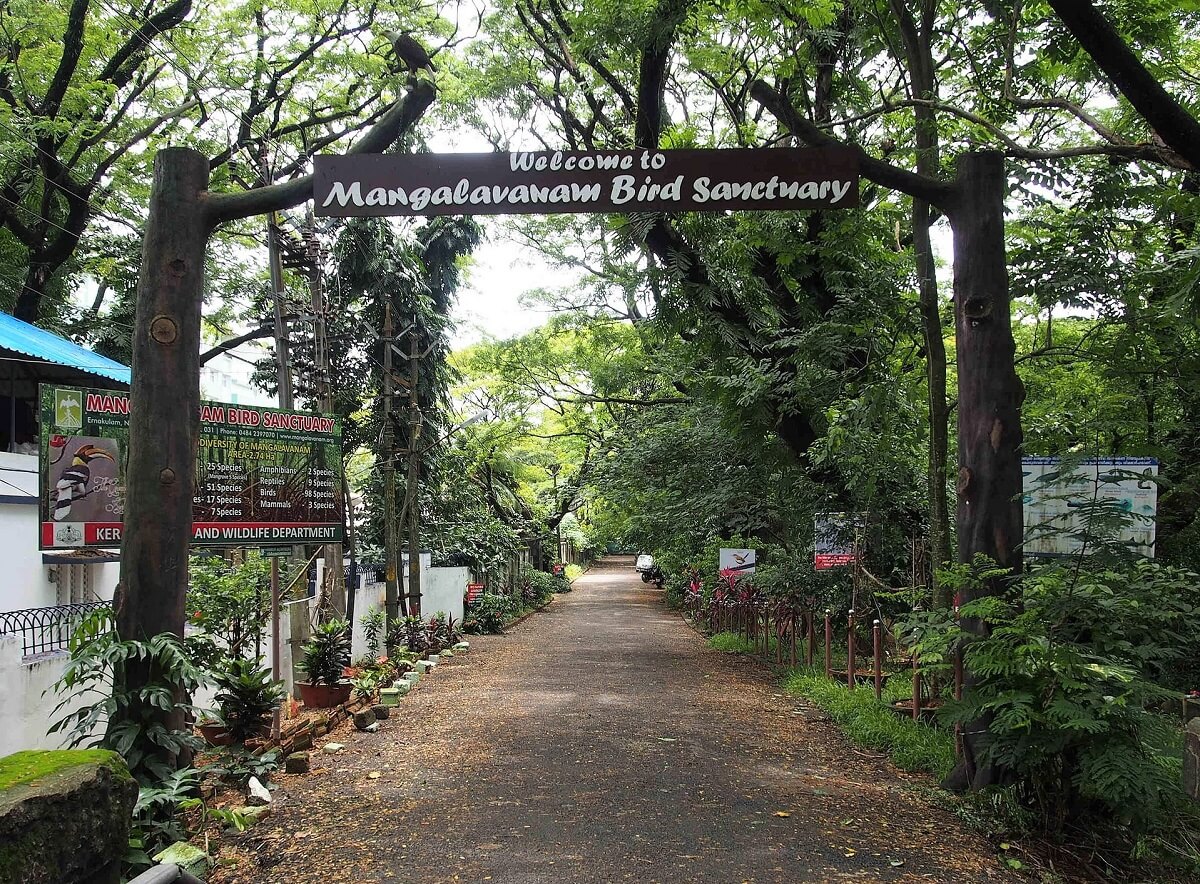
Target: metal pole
916,685
275,643
414,475
829,644
811,648
850,650
877,635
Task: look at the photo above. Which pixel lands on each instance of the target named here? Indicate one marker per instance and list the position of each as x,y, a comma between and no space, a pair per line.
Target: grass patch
869,723
731,643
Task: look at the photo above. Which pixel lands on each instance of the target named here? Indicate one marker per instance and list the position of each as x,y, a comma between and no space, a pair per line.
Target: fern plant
1065,678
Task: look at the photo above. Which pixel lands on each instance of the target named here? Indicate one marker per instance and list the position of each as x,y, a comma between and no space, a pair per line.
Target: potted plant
247,698
213,729
326,655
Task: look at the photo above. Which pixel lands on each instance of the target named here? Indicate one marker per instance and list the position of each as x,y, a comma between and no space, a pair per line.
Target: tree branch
399,119
931,190
1169,119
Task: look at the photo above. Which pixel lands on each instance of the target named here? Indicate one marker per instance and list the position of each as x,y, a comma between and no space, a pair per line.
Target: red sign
473,591
823,562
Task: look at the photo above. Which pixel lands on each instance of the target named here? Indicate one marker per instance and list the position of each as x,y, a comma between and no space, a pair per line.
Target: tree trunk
935,380
989,411
160,470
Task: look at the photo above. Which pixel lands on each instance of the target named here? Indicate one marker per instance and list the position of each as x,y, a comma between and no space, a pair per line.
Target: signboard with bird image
736,561
263,476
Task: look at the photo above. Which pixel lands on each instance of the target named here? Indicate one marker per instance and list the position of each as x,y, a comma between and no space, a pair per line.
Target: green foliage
488,613
111,715
157,821
247,696
868,722
373,631
228,604
1064,681
327,653
236,764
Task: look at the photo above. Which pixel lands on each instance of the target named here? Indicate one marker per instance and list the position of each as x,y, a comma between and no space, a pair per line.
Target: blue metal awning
29,340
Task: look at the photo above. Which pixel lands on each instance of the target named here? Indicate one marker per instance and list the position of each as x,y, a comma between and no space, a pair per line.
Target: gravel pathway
603,740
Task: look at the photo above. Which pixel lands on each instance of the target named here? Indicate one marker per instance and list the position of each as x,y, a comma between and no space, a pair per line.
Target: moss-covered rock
64,816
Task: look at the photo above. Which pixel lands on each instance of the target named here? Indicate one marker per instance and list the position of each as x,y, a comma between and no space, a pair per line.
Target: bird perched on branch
409,51
74,480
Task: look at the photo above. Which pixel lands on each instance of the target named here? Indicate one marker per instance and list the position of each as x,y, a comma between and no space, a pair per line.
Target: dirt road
603,740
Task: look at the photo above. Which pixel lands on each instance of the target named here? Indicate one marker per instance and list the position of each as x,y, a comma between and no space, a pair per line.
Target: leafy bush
412,635
236,764
126,719
327,653
247,696
488,613
542,586
1065,678
373,631
228,605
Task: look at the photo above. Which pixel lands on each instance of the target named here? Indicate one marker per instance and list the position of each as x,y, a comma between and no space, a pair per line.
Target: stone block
381,712
258,793
188,857
389,697
446,653
1191,759
297,763
302,741
364,719
461,647
64,816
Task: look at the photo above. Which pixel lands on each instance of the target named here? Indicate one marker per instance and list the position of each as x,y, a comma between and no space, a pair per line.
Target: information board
262,475
1054,498
739,561
833,541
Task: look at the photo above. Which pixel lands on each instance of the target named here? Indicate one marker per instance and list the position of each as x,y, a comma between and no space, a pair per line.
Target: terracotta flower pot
215,734
323,696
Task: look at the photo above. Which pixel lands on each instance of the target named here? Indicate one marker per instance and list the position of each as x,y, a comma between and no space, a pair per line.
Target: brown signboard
616,181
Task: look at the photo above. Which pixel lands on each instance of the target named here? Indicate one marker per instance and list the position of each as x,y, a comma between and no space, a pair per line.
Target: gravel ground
603,740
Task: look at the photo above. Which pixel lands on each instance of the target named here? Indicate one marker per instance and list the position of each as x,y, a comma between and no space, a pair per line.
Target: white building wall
28,699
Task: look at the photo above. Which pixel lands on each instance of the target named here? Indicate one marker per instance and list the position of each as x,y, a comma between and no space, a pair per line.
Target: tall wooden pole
331,552
413,473
283,370
388,453
164,426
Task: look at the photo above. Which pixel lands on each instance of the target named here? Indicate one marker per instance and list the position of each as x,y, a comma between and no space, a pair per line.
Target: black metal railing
44,630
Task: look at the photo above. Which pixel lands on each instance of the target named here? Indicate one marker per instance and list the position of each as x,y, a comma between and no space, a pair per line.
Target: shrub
869,723
1064,677
488,613
247,696
542,586
327,653
731,643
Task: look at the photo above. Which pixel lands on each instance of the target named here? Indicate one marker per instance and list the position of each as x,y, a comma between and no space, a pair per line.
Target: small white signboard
740,561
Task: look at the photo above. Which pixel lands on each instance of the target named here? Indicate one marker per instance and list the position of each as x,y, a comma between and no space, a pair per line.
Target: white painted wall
26,582
27,711
442,589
